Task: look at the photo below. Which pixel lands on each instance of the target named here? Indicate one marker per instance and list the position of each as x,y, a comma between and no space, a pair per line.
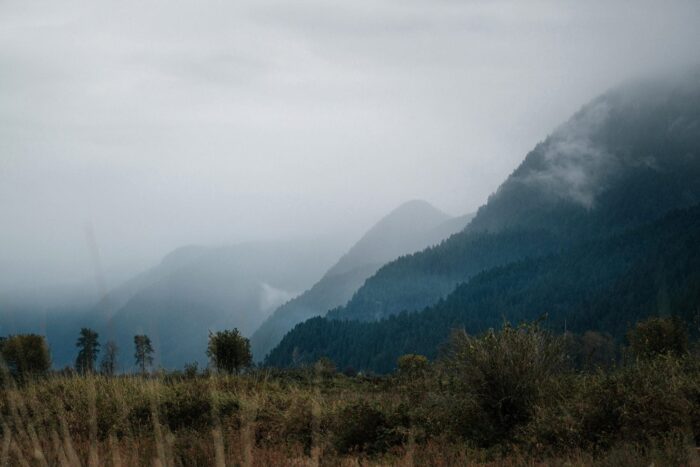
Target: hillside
409,228
604,285
626,158
217,288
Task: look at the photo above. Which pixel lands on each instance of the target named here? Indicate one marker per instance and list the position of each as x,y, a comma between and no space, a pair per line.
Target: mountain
176,259
604,285
410,227
196,290
626,159
192,290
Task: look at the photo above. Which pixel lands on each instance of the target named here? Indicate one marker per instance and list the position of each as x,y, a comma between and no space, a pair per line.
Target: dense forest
603,285
411,227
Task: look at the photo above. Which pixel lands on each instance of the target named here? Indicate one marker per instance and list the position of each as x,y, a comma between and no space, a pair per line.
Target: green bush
25,355
658,336
639,403
185,406
412,366
362,428
506,374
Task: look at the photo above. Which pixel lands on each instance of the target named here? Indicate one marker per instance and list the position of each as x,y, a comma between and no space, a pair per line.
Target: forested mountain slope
410,227
603,285
626,158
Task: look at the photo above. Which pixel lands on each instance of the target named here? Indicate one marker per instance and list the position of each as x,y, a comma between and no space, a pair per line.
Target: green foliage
412,366
89,347
325,367
360,427
418,280
229,351
591,350
143,353
108,365
25,355
191,370
505,373
659,336
638,403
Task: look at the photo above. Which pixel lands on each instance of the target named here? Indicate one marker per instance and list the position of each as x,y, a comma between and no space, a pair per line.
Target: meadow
510,397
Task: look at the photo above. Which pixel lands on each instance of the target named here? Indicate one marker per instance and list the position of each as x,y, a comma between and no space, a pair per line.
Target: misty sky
163,123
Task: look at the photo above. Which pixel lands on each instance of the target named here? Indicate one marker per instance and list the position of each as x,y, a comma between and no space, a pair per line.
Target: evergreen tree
108,366
144,352
89,348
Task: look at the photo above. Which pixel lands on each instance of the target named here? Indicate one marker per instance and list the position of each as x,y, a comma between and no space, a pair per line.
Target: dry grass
495,400
234,421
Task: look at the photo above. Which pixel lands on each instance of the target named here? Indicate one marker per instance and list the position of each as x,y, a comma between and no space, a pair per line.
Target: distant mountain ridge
198,289
605,285
626,159
192,290
407,228
410,227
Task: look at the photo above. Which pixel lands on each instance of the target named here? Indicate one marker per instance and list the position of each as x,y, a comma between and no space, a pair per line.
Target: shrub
325,367
639,403
191,370
658,336
229,351
363,428
186,406
26,355
506,373
412,366
591,350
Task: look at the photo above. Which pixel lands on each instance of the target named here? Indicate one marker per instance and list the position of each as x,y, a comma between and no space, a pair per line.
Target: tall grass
506,398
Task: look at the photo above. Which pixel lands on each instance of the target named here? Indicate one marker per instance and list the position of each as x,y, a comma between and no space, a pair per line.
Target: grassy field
499,400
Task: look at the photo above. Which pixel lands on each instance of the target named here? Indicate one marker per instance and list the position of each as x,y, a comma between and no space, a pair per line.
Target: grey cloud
214,122
575,164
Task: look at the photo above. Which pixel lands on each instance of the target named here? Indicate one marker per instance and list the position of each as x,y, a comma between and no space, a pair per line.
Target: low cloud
166,124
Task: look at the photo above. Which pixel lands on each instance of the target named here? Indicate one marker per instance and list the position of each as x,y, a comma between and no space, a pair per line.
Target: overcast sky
163,123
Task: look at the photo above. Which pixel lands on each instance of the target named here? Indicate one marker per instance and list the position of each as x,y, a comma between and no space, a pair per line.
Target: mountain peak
412,226
599,166
402,230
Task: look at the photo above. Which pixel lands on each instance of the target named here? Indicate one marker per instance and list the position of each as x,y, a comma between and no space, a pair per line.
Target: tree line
27,355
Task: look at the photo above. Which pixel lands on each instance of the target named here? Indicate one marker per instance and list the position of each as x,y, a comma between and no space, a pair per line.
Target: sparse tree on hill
89,348
144,352
229,351
108,366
